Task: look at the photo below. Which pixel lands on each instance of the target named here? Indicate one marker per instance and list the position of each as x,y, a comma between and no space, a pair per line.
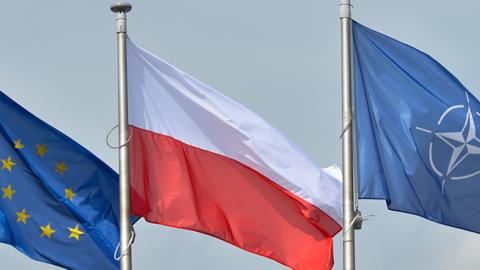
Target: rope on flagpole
133,234
348,126
108,137
125,251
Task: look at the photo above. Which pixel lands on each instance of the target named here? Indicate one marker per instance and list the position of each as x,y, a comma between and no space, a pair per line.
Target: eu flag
418,147
58,202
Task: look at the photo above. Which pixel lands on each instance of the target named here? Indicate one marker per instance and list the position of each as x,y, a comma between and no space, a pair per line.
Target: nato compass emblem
454,148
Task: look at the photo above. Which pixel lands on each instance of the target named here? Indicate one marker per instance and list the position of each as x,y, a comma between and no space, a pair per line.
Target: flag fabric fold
201,161
59,203
417,143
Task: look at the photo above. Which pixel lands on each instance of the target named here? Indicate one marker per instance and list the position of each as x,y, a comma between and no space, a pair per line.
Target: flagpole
121,10
347,140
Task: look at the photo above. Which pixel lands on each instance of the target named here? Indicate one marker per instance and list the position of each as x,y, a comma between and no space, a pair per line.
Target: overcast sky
280,58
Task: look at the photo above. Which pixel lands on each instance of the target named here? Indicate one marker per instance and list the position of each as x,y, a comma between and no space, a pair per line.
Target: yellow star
8,192
22,216
7,164
18,144
69,194
41,150
47,231
61,168
75,232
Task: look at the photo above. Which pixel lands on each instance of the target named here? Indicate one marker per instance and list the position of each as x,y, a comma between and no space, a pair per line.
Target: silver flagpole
349,212
121,10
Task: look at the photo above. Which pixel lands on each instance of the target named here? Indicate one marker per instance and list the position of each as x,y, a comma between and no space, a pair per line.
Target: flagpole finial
121,7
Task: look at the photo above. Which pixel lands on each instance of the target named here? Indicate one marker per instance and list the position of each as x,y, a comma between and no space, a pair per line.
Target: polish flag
201,161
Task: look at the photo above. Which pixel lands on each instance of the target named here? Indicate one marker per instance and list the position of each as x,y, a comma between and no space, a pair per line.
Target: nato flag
417,143
58,202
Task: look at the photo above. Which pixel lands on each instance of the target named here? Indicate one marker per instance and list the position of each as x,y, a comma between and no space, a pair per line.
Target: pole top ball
121,7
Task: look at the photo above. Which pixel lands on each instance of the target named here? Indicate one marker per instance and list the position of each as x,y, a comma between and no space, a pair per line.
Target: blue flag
58,202
417,143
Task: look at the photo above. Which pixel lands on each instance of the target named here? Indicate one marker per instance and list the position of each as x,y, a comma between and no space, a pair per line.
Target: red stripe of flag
178,185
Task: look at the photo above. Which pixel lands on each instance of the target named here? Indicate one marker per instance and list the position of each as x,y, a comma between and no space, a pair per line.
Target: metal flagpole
350,216
121,10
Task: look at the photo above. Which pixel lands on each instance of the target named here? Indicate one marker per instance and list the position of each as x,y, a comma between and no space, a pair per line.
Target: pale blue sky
280,58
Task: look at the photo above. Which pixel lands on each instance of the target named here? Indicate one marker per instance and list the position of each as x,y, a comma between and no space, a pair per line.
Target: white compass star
463,143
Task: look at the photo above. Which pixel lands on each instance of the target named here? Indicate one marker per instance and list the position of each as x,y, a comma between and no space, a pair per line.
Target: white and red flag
203,162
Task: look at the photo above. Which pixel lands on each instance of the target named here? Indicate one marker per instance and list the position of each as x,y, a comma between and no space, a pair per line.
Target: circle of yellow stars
23,216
